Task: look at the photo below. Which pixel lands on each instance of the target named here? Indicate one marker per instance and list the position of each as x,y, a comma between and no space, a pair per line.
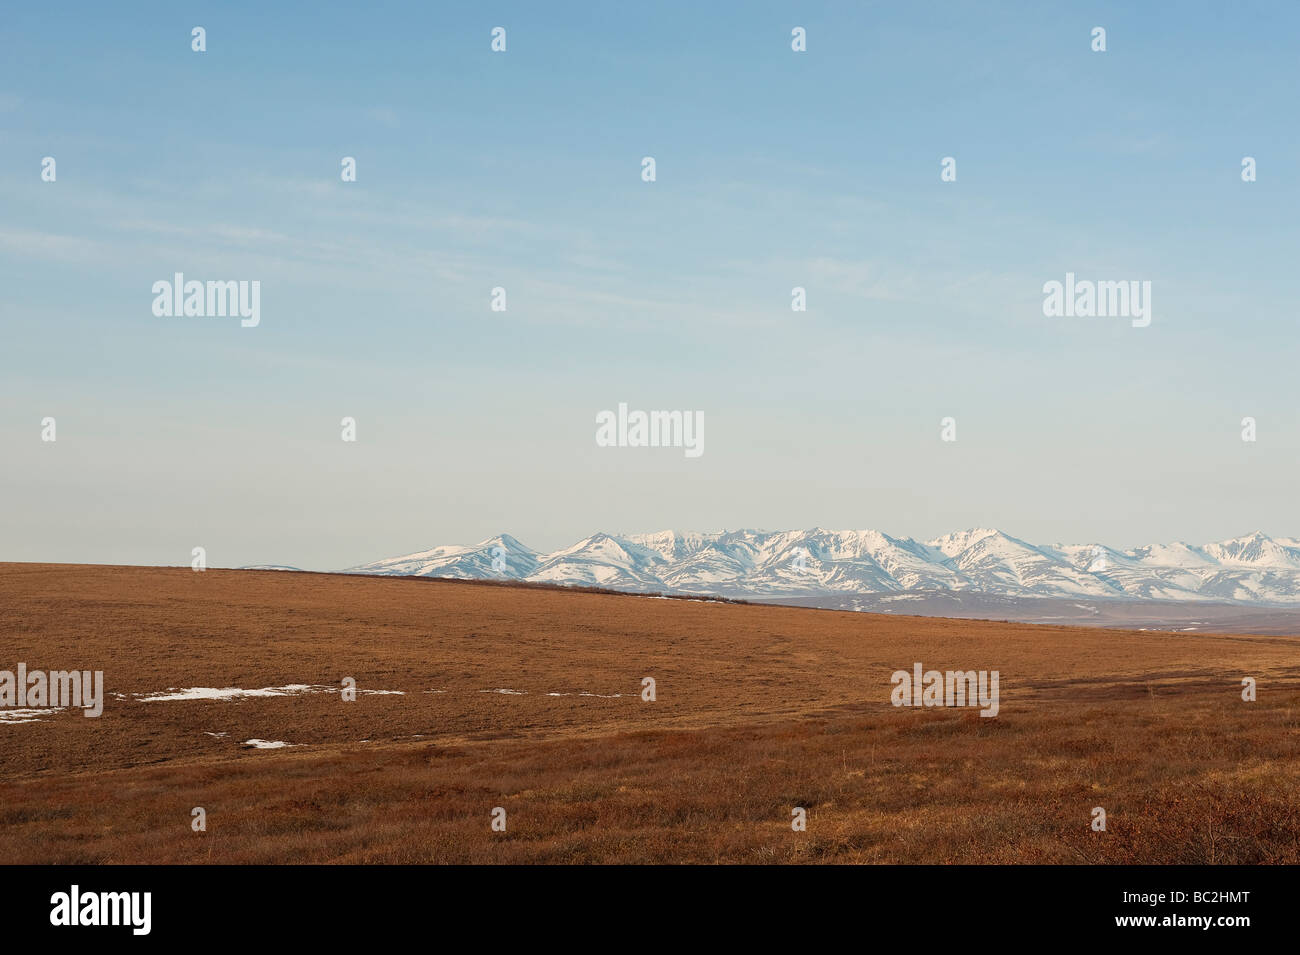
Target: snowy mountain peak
1257,549
506,541
953,544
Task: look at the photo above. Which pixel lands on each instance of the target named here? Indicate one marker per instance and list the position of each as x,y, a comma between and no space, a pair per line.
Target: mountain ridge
1254,569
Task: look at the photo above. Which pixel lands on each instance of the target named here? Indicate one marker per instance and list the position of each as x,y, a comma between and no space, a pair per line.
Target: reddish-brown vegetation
759,710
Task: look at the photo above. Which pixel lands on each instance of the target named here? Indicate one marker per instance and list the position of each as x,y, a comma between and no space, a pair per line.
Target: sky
522,170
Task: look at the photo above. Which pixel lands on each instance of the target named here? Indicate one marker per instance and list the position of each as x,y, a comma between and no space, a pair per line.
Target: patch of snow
231,692
172,694
15,716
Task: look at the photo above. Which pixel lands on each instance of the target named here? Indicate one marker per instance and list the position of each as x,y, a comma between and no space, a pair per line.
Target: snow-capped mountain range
1254,570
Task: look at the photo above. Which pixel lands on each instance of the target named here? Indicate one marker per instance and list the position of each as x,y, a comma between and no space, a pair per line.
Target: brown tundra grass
759,710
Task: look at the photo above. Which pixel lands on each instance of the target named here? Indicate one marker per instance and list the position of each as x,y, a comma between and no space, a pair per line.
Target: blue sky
522,170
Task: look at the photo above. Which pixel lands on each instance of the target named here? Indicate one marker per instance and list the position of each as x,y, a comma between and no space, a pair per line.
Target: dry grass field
758,710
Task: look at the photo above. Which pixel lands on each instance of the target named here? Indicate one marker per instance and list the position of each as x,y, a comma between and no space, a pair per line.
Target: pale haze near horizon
523,170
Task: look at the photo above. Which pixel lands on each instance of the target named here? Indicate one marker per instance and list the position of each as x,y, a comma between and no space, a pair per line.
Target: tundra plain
758,710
